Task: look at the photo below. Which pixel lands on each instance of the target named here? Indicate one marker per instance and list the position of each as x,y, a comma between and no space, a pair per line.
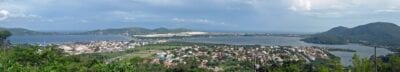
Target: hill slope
377,33
120,31
134,31
22,31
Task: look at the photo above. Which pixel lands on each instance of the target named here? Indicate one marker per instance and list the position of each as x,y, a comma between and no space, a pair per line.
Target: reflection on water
363,51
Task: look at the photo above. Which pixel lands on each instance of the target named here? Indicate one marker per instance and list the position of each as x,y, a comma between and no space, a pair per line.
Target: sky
206,15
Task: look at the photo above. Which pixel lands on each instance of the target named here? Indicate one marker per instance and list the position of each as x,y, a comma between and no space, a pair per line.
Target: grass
151,49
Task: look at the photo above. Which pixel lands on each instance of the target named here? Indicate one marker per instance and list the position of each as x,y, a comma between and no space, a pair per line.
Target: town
103,46
206,56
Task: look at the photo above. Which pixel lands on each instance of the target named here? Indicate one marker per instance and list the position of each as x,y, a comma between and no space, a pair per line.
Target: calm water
57,39
363,51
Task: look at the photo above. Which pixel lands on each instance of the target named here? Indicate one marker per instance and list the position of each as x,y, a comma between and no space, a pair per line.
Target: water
346,57
58,39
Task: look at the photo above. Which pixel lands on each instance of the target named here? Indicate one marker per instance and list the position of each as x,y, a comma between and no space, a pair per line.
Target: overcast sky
220,15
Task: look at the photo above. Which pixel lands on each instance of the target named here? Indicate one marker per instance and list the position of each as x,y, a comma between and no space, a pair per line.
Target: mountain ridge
111,31
374,34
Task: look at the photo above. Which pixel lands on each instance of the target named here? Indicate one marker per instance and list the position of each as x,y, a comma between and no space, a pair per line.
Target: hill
373,34
22,31
134,31
120,31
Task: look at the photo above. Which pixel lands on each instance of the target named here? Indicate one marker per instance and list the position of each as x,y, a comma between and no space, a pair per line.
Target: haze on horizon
218,15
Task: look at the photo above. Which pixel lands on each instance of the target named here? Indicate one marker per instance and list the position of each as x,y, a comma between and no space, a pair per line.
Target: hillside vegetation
134,31
117,31
382,34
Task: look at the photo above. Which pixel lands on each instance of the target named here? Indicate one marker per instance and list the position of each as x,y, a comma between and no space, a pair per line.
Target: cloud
301,5
161,2
3,14
322,8
197,21
388,11
339,8
130,16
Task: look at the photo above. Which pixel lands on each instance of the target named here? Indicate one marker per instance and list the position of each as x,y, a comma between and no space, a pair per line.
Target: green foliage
388,63
394,63
36,58
337,66
356,63
27,58
4,34
323,69
363,65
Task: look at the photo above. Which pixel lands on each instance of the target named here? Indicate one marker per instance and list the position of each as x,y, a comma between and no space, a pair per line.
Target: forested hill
134,31
119,31
22,31
377,33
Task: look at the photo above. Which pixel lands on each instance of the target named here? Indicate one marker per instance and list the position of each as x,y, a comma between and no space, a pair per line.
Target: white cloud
3,14
197,21
301,5
388,11
309,5
161,2
178,20
84,21
338,8
130,16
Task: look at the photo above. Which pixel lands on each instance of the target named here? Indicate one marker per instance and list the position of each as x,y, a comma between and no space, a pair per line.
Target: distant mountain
120,31
377,33
22,31
134,31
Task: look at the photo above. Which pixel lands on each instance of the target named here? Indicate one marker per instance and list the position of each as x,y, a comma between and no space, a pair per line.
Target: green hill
373,34
120,31
134,31
23,31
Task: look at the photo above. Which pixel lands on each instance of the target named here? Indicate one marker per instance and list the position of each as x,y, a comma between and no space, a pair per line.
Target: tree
394,62
4,34
323,69
363,65
337,66
367,65
356,63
